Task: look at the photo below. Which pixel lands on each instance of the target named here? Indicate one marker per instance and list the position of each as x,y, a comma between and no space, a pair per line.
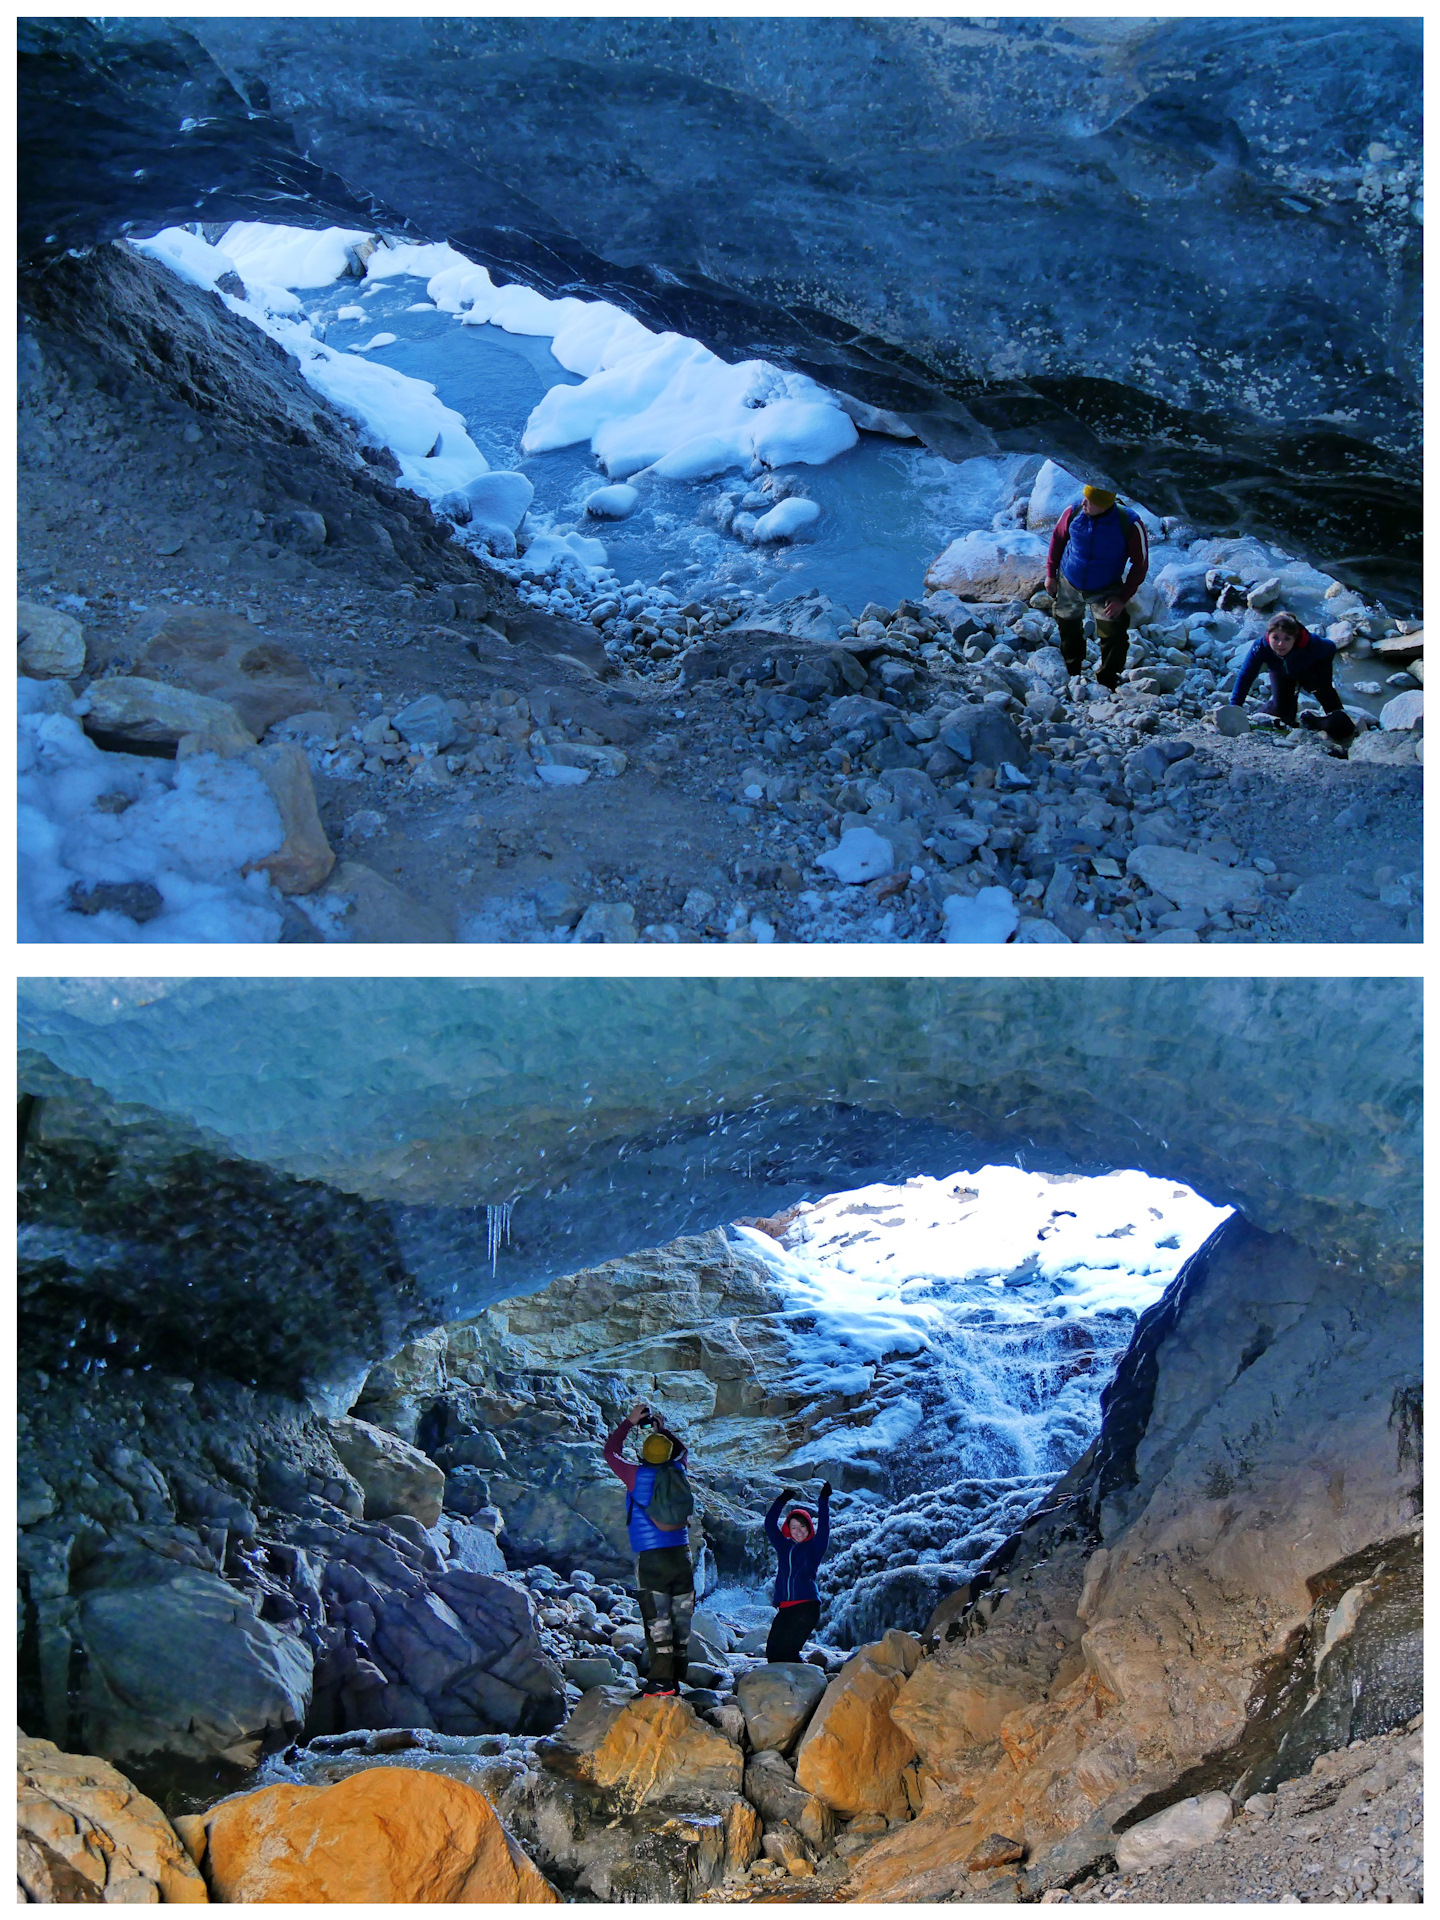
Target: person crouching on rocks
657,1513
1297,661
1098,557
800,1545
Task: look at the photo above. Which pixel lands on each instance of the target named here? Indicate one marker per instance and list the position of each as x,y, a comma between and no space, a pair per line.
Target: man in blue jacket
1098,558
800,1545
1297,661
664,1573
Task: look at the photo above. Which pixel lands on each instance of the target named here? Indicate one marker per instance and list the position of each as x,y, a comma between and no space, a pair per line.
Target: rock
426,722
554,774
377,911
1053,491
393,1476
387,1835
558,903
853,1753
304,859
1379,748
987,919
784,1846
594,1672
51,644
1232,722
652,1748
303,531
777,1701
317,728
610,924
129,715
613,503
1264,596
1182,587
239,1679
86,1834
220,656
990,566
1405,711
1165,1836
861,855
138,900
471,1548
1192,880
770,1786
994,1851
1041,933
1403,648
984,734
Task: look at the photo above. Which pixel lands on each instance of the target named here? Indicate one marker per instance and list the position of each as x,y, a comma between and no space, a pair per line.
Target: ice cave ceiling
1186,251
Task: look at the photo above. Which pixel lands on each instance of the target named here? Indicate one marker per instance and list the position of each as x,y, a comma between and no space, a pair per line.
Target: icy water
887,507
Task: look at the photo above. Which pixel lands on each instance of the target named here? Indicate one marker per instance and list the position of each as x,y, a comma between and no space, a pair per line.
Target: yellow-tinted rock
391,1835
853,1752
86,1834
130,713
393,1476
222,656
51,645
651,1748
304,859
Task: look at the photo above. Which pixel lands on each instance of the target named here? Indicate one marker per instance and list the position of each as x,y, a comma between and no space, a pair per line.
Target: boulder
1192,880
984,734
86,1834
770,1787
1181,586
1053,491
1385,749
777,1701
221,655
387,1835
393,1476
426,722
1002,566
995,1850
377,911
1232,722
51,645
853,1752
304,860
1405,711
1179,1829
652,1748
131,715
949,1707
186,1667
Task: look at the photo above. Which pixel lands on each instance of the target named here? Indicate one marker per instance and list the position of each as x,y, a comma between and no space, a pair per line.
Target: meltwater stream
887,507
980,1318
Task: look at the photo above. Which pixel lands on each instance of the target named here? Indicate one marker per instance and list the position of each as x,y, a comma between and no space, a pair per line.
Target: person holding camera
658,1506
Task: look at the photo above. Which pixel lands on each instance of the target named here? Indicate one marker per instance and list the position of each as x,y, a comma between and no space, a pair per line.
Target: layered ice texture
966,1328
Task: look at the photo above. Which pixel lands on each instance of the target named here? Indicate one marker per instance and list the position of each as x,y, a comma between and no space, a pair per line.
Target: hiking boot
660,1686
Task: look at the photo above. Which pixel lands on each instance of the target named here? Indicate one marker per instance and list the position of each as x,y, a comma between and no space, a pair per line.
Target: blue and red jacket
1309,663
1093,550
639,1482
799,1559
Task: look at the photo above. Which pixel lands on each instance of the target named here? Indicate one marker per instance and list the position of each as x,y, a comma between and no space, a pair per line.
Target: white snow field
981,1316
578,396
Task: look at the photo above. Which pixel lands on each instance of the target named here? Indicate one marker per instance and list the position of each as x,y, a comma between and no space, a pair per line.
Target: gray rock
984,735
777,1701
770,1788
137,900
304,531
426,722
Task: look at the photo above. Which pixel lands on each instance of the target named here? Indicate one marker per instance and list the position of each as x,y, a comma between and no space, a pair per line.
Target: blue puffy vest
645,1536
1097,547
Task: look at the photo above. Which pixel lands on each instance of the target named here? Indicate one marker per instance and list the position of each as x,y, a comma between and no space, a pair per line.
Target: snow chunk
988,919
289,256
861,855
784,522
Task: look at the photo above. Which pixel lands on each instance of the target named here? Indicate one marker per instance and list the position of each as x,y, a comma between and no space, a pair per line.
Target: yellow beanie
1100,497
656,1449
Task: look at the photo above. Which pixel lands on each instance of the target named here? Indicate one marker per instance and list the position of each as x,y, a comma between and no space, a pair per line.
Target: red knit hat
804,1513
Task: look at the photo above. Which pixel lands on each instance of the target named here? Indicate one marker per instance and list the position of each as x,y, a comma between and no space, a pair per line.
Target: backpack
671,1501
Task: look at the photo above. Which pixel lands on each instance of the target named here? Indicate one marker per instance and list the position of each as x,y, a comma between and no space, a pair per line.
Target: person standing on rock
657,1512
800,1545
1098,557
1297,661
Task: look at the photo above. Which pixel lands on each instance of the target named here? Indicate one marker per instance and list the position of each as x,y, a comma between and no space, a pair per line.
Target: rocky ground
1352,1829
497,761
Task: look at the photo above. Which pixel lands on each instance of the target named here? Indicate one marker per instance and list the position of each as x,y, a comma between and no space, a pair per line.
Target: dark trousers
791,1628
1285,691
1113,635
667,1603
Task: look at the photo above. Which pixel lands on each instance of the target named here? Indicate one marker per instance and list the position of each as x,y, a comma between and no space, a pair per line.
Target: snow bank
289,256
188,827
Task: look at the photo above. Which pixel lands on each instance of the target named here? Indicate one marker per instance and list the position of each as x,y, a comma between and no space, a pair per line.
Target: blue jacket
799,1559
1097,547
1309,663
639,1483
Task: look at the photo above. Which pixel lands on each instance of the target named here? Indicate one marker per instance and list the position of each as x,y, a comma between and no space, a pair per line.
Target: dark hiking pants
1112,635
1285,694
667,1602
791,1628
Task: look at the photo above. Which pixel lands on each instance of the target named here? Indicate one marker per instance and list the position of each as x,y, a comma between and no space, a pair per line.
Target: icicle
497,1230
